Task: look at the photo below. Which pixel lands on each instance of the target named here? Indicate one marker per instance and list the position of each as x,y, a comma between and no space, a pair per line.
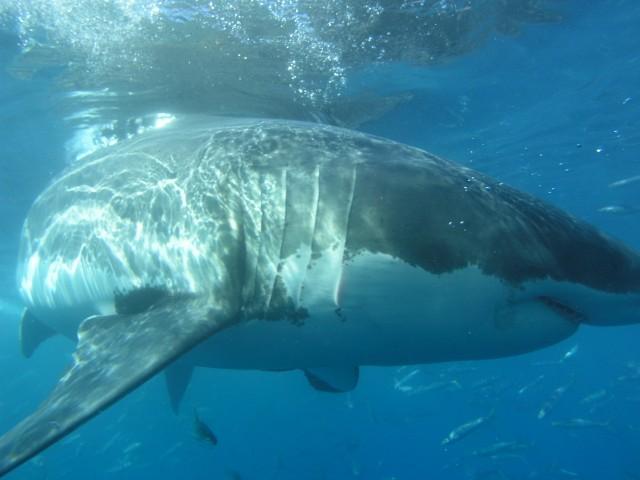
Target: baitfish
202,430
465,429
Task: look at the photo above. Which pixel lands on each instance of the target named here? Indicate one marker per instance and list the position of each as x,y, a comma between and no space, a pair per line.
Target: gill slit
314,220
336,293
261,244
284,180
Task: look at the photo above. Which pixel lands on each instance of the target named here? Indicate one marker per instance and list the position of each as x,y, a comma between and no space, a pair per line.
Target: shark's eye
138,301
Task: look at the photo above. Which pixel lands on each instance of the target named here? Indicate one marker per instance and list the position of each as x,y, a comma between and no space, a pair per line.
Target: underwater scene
292,239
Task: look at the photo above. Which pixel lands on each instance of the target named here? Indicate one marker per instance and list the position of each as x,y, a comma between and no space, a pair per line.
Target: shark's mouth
562,309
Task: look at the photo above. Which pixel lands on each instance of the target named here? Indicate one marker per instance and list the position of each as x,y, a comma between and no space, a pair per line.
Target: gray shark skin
277,245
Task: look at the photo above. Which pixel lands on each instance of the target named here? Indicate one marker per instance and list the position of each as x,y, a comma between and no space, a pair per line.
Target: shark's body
281,245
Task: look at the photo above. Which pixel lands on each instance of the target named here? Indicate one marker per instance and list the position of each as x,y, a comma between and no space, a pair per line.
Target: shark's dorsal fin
32,333
333,379
177,377
114,355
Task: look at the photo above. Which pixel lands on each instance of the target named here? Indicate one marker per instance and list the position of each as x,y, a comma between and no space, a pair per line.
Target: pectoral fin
114,355
32,333
333,379
177,377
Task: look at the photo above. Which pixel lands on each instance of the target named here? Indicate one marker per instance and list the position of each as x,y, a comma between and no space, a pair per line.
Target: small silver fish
566,356
624,181
438,385
203,431
619,209
530,385
580,423
570,353
465,429
594,397
568,473
484,383
553,399
500,448
401,383
131,447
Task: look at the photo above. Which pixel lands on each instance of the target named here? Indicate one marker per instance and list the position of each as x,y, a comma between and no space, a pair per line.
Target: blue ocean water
551,107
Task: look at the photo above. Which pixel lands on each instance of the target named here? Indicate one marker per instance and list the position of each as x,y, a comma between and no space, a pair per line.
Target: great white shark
279,245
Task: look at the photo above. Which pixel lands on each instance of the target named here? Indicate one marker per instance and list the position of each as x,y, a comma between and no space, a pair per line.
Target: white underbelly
389,313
